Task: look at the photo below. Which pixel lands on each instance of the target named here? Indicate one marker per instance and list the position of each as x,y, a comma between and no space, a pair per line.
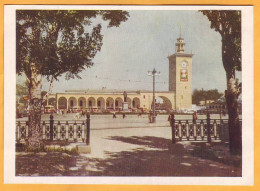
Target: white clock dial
184,64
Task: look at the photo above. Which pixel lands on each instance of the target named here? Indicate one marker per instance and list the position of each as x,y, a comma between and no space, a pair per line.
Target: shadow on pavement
155,157
148,141
158,158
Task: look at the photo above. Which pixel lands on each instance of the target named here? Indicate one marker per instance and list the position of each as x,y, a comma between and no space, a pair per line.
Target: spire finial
180,28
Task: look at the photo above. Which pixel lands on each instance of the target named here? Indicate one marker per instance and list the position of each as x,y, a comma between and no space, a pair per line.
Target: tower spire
180,45
180,29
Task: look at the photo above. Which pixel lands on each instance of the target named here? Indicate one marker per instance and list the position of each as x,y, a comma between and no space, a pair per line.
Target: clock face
183,64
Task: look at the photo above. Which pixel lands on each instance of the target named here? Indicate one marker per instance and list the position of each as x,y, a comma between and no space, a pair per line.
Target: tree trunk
235,134
35,103
46,97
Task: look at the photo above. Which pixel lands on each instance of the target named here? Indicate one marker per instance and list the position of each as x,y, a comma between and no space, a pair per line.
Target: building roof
113,91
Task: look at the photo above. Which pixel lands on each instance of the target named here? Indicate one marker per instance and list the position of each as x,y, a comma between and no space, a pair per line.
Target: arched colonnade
101,102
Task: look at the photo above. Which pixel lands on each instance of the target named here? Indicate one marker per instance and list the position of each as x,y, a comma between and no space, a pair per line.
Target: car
76,109
109,109
161,111
95,110
143,110
188,111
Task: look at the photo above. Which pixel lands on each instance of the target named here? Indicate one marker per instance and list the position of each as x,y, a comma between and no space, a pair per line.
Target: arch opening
136,102
82,102
52,101
118,103
91,102
62,103
163,103
101,103
72,102
109,103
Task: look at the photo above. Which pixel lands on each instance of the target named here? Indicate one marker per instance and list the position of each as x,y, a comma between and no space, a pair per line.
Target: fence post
208,127
51,127
27,133
18,131
195,129
88,129
220,130
173,128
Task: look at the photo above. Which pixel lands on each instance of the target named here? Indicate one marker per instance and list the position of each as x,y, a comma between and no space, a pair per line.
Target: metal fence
77,131
200,130
187,130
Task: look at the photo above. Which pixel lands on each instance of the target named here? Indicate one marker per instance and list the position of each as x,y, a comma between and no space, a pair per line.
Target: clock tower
180,75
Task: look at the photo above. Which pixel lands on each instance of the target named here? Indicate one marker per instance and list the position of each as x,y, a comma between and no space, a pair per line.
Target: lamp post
153,73
220,112
204,93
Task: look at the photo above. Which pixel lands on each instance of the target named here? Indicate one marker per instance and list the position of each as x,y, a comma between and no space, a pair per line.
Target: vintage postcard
128,95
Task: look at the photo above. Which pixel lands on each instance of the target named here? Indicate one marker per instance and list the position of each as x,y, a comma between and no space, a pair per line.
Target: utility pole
153,73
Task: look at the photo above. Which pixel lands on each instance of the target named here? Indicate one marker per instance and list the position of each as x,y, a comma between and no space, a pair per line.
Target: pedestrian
114,115
194,117
171,116
123,115
139,114
150,117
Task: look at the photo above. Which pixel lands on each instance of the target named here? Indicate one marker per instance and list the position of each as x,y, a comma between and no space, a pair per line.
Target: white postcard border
247,96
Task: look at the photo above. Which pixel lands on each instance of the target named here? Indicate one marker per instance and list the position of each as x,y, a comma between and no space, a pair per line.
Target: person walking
139,113
171,116
194,117
123,115
114,115
150,117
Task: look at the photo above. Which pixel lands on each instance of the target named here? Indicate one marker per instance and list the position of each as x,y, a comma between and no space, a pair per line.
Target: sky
144,42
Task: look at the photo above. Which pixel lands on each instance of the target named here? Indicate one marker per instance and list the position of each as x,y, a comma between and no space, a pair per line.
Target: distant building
206,103
220,105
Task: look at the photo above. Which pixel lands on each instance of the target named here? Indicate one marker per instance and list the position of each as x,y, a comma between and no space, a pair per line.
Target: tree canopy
60,41
201,95
228,24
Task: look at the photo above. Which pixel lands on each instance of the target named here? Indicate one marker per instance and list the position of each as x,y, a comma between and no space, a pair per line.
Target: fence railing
77,131
200,130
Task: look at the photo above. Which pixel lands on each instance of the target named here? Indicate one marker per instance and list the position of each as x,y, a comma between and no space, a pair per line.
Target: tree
228,24
213,94
201,95
55,42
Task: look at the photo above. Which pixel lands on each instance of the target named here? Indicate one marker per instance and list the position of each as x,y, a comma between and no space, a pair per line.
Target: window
99,103
71,103
81,103
90,103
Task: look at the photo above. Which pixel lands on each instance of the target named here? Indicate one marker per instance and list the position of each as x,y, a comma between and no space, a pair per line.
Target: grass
20,147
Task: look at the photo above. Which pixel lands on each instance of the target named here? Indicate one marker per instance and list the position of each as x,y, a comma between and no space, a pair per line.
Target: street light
153,73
